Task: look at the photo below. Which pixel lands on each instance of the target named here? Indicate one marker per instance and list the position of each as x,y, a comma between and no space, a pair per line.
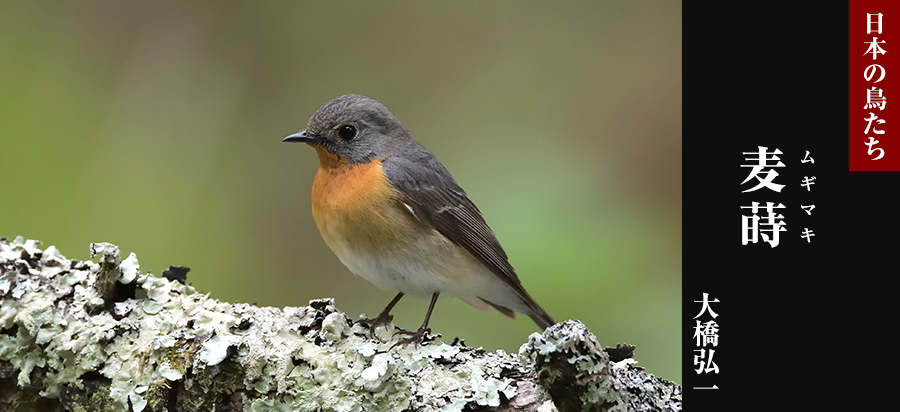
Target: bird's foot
383,319
417,337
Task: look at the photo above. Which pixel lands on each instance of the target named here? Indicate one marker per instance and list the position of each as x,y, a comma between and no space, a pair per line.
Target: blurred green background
158,127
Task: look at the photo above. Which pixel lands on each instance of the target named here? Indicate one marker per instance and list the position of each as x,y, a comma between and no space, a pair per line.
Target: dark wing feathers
436,199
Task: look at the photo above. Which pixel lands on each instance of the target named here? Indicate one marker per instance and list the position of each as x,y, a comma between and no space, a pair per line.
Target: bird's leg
418,335
383,318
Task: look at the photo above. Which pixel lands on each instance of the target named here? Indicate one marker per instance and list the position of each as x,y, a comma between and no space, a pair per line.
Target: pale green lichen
215,350
573,366
130,268
578,347
169,373
57,330
333,326
75,326
69,322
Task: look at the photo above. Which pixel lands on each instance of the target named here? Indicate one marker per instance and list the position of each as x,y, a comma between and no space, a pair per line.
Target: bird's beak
301,137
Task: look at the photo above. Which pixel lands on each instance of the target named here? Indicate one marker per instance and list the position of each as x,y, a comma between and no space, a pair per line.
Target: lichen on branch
80,335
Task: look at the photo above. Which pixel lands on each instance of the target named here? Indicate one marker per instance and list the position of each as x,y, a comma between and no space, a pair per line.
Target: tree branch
84,336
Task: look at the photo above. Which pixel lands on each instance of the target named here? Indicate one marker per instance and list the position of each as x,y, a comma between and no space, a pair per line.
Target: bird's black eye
347,132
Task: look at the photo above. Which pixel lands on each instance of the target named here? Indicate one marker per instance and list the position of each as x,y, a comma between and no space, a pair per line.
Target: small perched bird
396,217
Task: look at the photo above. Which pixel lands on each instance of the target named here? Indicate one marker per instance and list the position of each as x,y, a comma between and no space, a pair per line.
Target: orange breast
377,238
354,206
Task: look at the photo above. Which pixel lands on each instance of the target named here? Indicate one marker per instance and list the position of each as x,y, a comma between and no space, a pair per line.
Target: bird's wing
432,195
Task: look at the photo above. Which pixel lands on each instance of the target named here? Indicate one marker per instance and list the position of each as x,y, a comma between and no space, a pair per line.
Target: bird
395,217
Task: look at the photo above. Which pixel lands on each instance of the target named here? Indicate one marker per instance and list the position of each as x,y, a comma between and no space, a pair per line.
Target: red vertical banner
874,45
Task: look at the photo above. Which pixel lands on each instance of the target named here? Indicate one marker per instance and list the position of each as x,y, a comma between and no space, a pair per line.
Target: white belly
431,264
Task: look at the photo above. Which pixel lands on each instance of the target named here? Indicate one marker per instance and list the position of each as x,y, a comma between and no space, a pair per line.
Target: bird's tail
533,310
540,316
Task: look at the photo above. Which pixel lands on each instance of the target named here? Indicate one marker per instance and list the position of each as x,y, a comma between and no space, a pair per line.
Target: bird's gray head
353,126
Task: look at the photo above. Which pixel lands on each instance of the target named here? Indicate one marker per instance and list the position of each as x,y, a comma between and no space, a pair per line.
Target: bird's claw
416,337
373,323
